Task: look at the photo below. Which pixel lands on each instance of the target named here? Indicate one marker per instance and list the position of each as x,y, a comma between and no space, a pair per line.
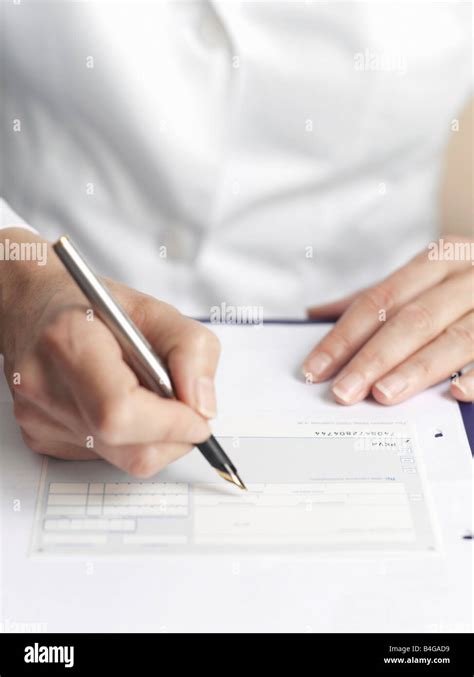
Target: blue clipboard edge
466,408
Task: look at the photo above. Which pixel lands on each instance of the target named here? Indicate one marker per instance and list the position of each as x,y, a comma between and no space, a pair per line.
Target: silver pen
144,361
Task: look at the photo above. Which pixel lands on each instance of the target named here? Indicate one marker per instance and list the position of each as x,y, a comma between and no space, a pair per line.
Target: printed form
311,486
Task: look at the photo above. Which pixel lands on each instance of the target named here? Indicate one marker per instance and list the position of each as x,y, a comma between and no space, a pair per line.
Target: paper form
259,376
329,487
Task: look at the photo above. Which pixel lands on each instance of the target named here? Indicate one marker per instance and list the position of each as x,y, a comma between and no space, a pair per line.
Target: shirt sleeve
9,219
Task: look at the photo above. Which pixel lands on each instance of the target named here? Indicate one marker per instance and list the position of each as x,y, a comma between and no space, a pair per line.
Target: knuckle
108,421
169,432
380,297
146,310
462,334
141,309
337,344
423,367
29,384
32,443
212,342
143,463
202,338
50,339
416,316
58,331
372,362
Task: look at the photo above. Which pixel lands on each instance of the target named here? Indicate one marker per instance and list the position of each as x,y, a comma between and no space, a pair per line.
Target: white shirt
273,154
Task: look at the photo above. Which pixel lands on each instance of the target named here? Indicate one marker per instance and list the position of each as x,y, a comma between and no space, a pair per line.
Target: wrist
27,264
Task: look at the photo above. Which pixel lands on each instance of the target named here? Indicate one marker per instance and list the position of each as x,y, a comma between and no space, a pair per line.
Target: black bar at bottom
288,654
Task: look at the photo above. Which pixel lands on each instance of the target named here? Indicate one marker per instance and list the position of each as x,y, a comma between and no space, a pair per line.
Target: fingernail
317,364
349,387
392,385
206,397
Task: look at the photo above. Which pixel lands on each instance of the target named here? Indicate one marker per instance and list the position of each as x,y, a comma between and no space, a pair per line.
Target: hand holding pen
75,396
140,354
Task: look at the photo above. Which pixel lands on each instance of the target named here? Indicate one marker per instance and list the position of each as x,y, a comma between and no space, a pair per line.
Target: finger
114,407
38,382
190,350
138,460
433,363
372,307
62,450
463,388
415,325
38,423
332,309
144,460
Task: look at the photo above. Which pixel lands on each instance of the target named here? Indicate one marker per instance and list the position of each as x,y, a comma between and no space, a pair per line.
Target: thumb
193,363
190,351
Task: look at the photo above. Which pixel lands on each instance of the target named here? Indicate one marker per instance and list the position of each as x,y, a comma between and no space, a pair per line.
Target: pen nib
233,478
